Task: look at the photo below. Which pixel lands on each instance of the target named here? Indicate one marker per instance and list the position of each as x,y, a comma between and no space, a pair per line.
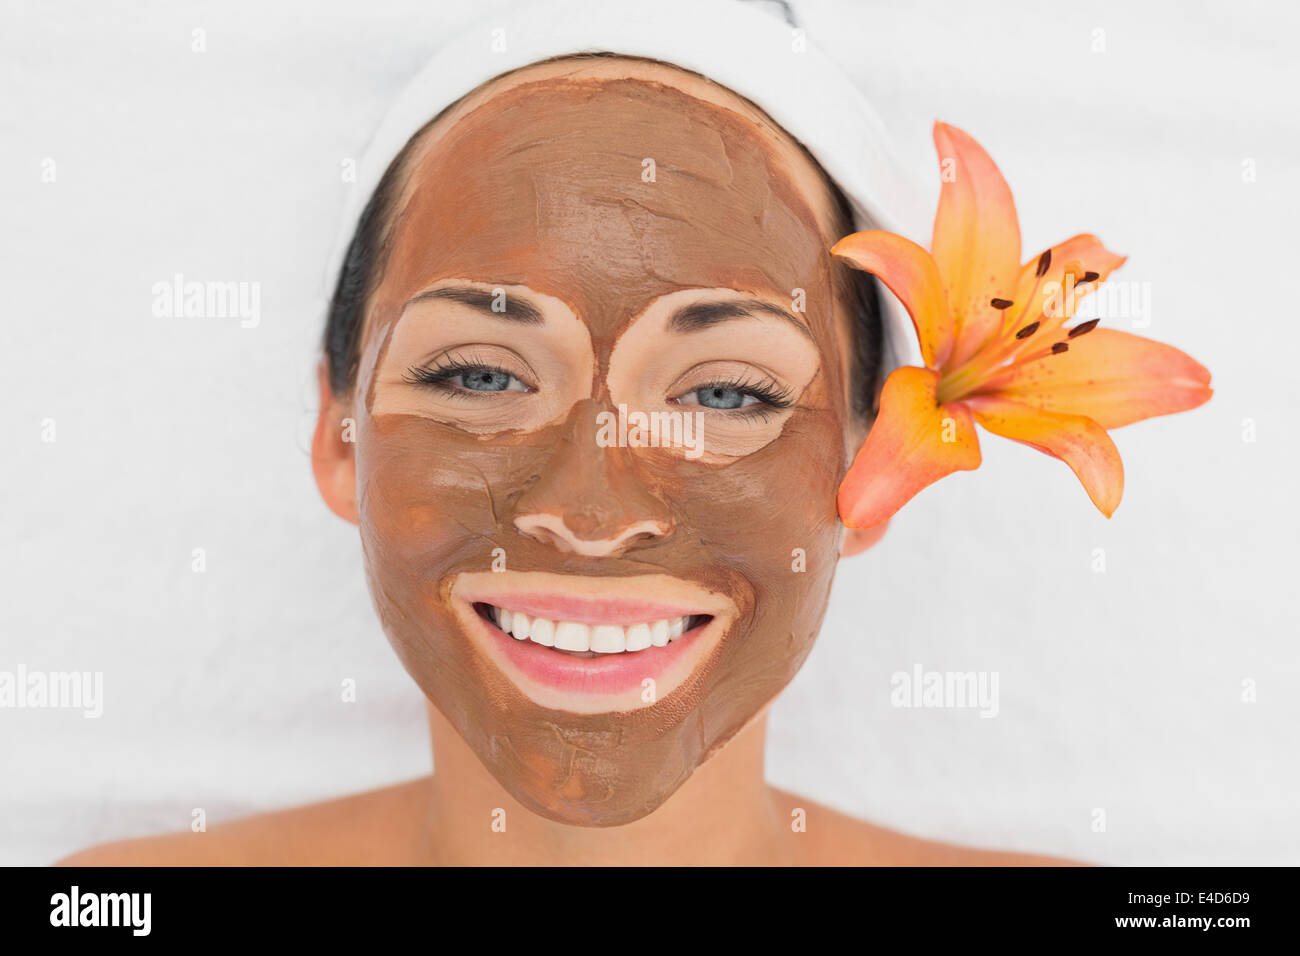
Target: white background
1120,691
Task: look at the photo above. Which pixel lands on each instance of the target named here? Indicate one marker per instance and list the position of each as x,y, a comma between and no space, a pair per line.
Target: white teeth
608,639
572,637
638,637
659,633
542,632
596,638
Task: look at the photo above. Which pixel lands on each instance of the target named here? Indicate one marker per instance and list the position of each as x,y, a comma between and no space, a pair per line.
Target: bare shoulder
833,838
370,828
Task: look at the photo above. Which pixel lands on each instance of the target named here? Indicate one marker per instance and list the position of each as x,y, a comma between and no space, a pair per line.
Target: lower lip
604,674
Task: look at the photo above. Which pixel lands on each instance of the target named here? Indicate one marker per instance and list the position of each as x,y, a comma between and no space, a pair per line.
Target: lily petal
1113,377
1078,441
976,239
911,274
913,443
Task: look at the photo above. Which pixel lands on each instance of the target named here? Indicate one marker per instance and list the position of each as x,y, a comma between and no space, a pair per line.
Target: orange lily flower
996,350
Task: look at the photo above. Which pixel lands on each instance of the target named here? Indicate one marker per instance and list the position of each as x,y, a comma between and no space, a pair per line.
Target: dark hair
861,297
368,251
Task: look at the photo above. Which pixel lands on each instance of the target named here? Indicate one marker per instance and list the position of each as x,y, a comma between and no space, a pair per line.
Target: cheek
771,519
771,516
430,496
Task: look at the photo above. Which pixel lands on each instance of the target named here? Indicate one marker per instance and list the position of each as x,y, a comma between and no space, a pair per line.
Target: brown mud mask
611,288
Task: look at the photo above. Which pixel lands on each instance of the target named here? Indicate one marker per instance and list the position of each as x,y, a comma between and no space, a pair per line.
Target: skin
444,482
561,218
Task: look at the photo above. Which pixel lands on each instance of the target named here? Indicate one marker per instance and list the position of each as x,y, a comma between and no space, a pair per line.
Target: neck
724,814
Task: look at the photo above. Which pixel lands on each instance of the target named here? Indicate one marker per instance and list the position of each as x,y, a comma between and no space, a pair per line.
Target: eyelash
439,376
770,395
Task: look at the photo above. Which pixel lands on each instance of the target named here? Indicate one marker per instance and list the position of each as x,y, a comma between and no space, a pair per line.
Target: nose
589,500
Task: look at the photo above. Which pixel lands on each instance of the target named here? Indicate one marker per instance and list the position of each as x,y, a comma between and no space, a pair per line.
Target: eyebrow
690,318
704,315
517,308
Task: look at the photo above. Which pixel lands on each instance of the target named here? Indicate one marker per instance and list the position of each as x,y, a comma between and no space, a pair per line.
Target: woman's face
570,254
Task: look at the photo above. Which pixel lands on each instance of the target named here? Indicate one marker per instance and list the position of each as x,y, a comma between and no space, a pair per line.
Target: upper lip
592,600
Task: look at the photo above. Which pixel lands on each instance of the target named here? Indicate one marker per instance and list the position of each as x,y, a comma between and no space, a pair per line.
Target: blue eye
485,380
461,377
744,396
723,398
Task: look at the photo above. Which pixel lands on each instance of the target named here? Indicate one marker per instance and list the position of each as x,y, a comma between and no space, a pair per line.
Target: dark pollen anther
1082,327
1001,303
1059,347
1044,263
1089,276
1027,331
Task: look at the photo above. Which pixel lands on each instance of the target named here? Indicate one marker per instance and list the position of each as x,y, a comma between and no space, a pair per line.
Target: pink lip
587,610
604,674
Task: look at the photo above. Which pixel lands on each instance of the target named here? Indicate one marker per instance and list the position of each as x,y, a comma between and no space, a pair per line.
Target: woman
592,379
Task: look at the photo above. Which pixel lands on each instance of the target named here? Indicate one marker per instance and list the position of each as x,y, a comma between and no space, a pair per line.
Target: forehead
609,191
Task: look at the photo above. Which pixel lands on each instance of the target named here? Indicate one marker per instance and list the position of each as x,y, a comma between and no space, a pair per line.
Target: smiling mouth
577,639
592,644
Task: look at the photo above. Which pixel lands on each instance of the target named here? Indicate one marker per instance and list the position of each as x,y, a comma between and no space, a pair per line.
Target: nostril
553,530
644,537
541,532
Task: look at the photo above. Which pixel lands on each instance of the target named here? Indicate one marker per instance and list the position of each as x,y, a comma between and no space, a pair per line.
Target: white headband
739,45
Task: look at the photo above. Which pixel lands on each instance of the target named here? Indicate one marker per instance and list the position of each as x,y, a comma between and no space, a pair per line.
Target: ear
857,540
333,447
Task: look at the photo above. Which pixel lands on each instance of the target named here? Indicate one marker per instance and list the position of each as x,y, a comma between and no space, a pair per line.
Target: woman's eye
489,380
460,377
739,395
713,396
